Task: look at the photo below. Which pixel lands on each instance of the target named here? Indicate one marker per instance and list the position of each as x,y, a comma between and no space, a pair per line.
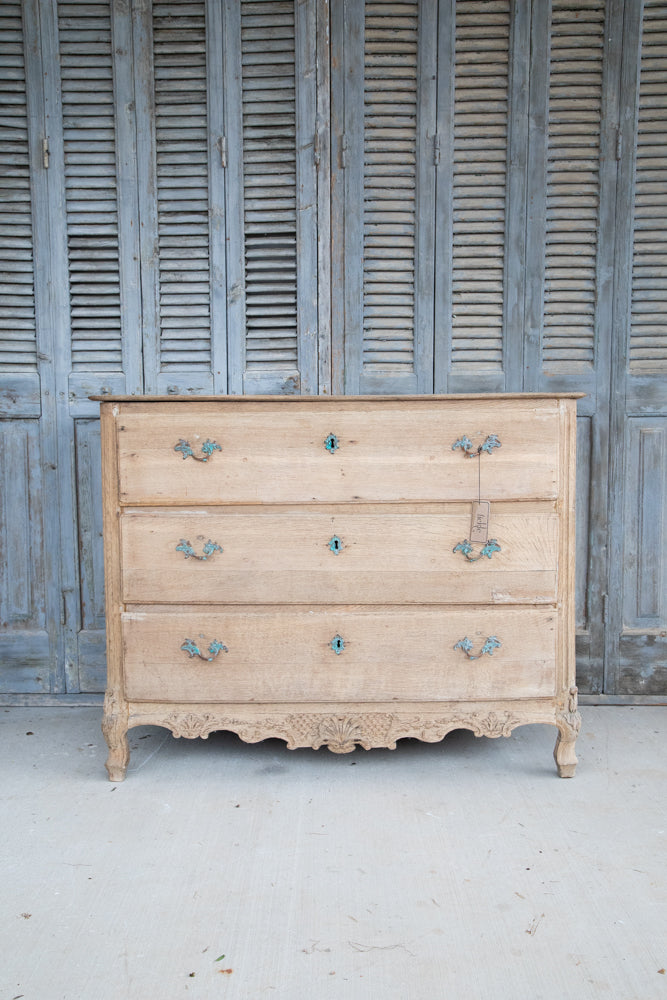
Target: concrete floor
464,869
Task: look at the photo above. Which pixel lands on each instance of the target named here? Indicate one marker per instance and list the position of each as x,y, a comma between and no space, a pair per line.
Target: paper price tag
479,525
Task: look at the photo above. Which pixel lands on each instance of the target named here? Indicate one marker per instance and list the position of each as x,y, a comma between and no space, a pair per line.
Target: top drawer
263,451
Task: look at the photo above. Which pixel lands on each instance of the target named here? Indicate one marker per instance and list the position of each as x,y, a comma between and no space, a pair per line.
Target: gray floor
464,869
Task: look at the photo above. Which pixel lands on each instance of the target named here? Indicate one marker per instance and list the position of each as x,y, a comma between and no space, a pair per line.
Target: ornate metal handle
466,548
215,647
331,443
335,544
208,550
338,644
207,448
466,645
467,447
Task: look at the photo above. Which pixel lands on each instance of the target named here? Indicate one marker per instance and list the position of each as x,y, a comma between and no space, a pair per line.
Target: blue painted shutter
639,508
384,155
479,188
18,336
272,210
482,83
26,647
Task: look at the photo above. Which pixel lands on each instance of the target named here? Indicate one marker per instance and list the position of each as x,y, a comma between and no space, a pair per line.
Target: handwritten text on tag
479,527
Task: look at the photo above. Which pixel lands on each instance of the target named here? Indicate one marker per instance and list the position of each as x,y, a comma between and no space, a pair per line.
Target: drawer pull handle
208,550
466,645
331,443
467,446
338,644
335,544
215,647
207,448
466,548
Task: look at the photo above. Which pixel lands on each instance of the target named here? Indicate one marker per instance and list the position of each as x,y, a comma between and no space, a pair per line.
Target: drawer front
383,655
310,557
269,453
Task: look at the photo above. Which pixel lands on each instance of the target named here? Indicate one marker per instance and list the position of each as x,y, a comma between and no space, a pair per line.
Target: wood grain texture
390,655
270,556
405,452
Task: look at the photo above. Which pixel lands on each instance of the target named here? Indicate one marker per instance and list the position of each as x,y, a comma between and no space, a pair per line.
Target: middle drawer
224,556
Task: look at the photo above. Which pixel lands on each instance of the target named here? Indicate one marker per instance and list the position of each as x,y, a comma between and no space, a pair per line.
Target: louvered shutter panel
86,79
387,152
18,343
648,325
181,191
272,197
481,97
573,186
95,139
181,135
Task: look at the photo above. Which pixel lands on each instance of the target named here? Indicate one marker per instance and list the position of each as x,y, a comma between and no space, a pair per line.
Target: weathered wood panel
24,640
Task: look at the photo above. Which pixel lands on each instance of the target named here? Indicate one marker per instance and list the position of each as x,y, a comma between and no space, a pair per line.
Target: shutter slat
648,326
18,346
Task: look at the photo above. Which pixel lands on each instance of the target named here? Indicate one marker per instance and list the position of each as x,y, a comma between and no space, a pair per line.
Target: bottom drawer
340,654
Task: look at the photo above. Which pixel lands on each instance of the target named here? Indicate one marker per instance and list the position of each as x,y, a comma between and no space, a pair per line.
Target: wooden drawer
389,655
342,556
386,451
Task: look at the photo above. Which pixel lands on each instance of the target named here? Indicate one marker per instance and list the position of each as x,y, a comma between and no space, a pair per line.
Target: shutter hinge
222,146
436,149
605,609
619,143
45,153
343,151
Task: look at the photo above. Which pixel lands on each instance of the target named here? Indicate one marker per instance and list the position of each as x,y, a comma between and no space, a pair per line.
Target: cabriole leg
569,724
114,728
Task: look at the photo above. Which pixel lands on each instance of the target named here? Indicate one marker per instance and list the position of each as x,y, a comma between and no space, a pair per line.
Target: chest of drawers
304,568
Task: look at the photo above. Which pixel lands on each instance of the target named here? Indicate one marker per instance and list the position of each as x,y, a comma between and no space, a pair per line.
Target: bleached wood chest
306,568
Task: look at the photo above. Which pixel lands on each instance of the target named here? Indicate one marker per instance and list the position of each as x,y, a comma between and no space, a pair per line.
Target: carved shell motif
339,733
191,726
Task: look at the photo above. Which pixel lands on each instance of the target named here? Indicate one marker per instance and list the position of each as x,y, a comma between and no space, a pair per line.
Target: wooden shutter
479,185
18,338
483,60
100,215
26,631
90,183
573,185
648,321
181,132
272,196
638,533
383,218
181,194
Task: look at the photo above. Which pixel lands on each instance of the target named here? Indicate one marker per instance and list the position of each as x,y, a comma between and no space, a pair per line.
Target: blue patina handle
466,645
208,550
466,548
215,647
467,447
207,448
